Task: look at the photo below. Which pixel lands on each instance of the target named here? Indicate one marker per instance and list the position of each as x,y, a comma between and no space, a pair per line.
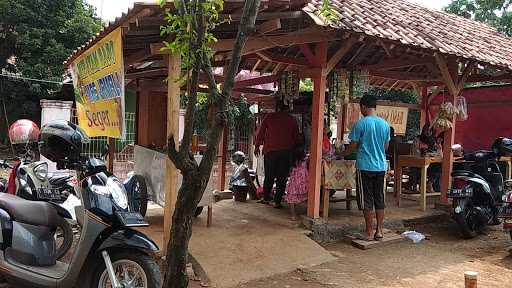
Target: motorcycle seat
29,212
465,173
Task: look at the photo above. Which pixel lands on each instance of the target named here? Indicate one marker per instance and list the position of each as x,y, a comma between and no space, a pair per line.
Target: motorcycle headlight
118,193
41,171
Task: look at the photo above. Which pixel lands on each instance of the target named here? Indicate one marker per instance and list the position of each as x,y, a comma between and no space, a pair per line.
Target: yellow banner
395,116
98,75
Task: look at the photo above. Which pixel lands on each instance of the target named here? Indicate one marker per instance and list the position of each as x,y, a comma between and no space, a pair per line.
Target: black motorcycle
477,193
109,253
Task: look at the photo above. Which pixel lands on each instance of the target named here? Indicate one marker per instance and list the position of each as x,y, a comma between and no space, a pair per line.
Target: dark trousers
277,168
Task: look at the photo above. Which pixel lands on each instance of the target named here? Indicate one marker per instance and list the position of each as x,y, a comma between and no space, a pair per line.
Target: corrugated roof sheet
412,24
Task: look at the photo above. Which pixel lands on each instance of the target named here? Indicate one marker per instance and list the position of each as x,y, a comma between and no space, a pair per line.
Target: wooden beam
147,73
403,76
255,44
269,26
258,62
489,78
253,91
276,58
342,51
451,83
137,57
397,63
256,81
171,173
267,15
306,51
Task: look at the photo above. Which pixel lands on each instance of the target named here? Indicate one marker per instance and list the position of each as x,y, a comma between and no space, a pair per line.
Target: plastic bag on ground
416,237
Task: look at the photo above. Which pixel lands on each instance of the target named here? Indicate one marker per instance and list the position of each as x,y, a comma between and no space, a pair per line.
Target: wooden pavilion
402,45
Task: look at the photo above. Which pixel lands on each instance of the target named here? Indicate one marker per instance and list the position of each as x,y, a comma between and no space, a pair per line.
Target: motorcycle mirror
106,149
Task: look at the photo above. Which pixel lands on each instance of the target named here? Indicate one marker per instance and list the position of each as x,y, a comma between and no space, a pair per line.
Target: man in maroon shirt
278,134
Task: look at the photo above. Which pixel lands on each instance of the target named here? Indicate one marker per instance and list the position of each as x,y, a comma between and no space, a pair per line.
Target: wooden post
223,147
315,160
317,130
173,112
424,106
449,71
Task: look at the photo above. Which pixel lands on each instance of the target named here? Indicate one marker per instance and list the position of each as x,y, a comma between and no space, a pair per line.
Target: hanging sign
98,75
395,116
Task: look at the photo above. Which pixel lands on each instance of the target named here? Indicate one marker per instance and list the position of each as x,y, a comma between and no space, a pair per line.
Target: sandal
262,201
378,237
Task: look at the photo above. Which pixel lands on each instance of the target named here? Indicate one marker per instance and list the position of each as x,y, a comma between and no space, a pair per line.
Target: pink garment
297,189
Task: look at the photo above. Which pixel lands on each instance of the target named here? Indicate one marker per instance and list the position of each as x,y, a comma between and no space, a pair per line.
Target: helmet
502,146
62,140
238,157
23,131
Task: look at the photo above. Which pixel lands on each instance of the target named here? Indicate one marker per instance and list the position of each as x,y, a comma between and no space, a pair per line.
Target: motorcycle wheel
132,269
138,196
63,238
466,227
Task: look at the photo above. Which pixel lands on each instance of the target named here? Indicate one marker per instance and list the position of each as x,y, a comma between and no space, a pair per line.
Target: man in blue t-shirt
370,139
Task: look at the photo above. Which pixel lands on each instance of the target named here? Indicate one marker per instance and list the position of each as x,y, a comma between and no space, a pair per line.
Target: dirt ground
439,262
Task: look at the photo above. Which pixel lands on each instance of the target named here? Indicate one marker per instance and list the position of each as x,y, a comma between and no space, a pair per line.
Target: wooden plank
171,173
397,63
447,77
254,91
267,15
404,76
389,238
269,26
255,44
137,57
342,51
147,73
276,58
256,81
258,62
306,51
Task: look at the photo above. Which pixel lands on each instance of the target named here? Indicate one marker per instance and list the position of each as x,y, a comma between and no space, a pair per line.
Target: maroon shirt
279,131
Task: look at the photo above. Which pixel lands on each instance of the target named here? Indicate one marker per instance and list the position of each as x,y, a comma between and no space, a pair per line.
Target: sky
110,9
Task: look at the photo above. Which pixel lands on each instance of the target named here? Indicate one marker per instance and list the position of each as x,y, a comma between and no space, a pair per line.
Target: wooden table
419,162
508,170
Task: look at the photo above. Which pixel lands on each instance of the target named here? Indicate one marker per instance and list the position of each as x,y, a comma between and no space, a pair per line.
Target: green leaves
493,12
328,13
183,28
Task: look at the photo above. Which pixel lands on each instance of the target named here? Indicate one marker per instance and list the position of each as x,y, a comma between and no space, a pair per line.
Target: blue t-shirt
372,133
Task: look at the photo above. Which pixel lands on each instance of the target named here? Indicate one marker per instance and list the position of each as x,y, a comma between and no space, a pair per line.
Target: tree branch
247,25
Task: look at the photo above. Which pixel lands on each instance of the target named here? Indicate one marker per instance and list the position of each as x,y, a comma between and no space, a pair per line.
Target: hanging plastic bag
462,108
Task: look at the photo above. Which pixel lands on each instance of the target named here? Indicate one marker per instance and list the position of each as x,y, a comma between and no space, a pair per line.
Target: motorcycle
478,193
506,210
109,253
31,183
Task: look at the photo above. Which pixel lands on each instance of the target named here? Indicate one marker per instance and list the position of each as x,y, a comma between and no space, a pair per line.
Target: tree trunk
182,231
195,177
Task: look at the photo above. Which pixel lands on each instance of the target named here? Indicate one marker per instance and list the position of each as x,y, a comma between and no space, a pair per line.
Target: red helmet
23,131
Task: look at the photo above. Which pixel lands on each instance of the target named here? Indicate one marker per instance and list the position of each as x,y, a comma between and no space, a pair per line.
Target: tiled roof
415,25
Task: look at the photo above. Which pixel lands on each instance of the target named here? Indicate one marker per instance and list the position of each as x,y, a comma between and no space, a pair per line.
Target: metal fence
123,148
